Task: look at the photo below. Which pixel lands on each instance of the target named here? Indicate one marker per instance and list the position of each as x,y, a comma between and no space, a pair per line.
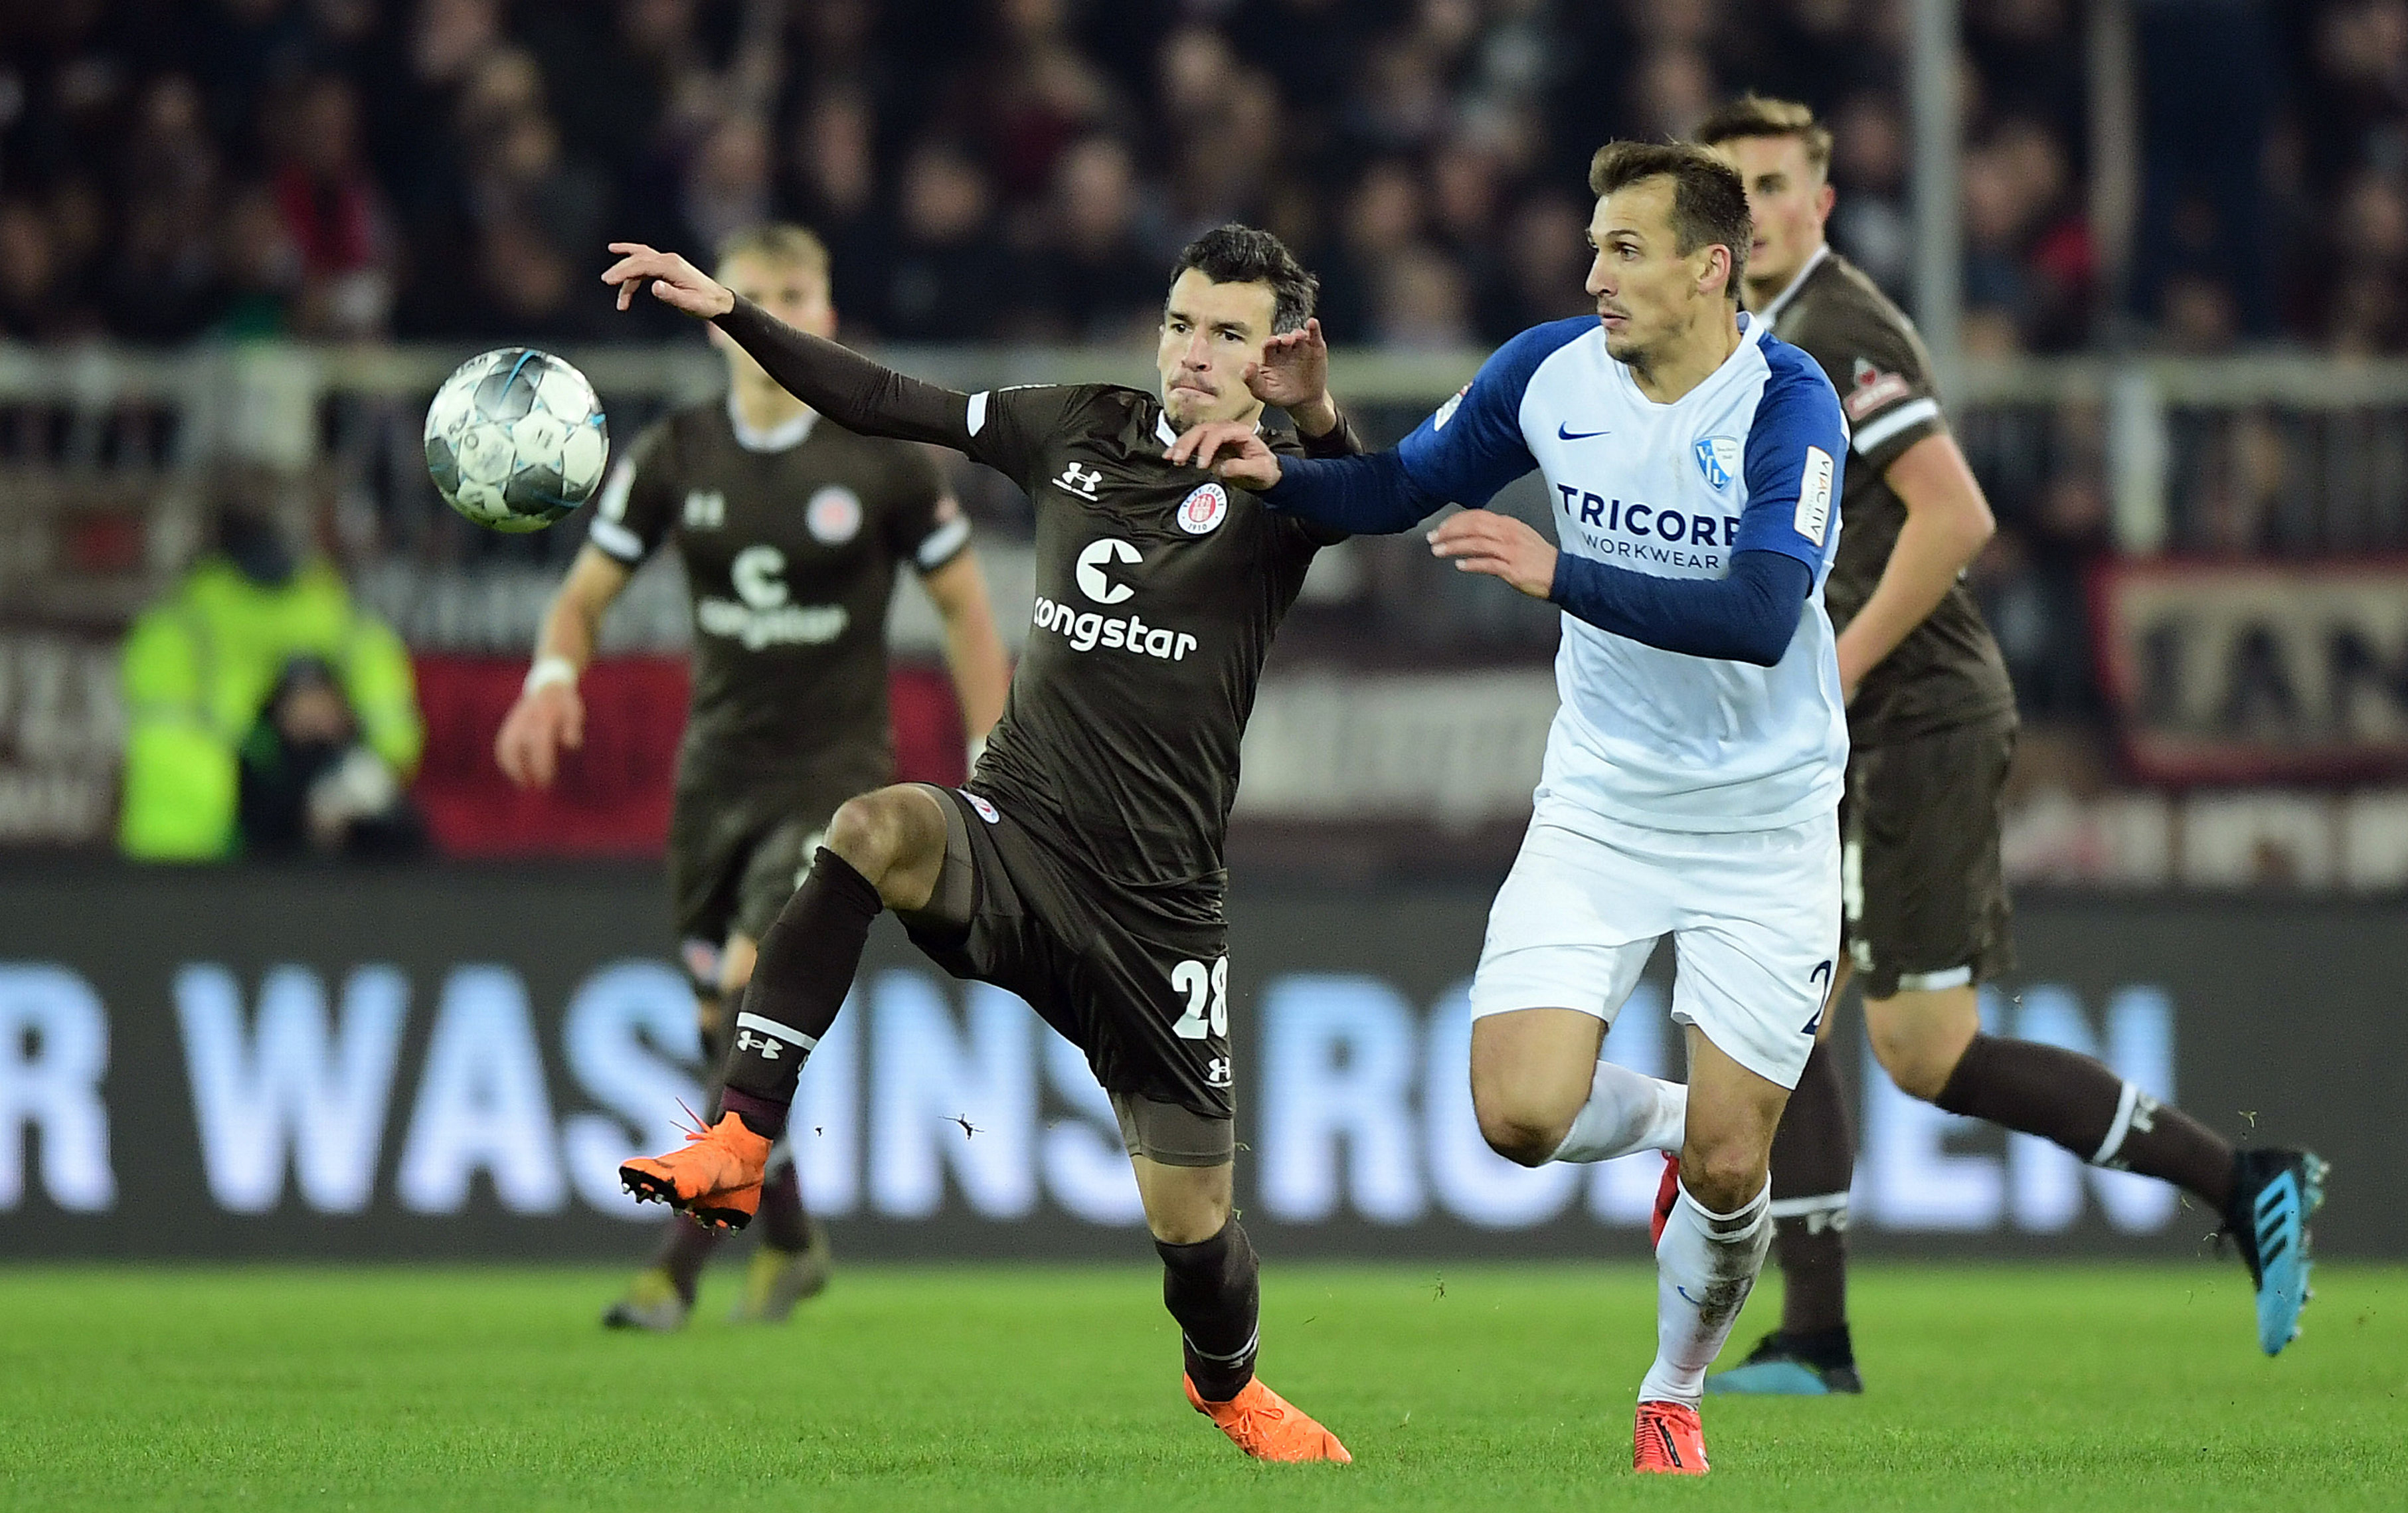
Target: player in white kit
1694,770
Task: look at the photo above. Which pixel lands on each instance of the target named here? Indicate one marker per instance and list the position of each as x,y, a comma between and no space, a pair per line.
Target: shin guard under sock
1705,1266
685,1250
1812,1164
806,966
1213,1289
2077,1102
783,1222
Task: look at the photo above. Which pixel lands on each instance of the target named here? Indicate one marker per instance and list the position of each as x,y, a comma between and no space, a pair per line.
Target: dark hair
1709,202
1756,115
1244,254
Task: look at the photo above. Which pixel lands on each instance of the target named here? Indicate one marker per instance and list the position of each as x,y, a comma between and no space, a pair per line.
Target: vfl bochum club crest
1203,509
1718,459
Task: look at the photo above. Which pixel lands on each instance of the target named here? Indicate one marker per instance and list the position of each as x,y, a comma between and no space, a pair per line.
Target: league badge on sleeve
1718,459
1201,512
1446,411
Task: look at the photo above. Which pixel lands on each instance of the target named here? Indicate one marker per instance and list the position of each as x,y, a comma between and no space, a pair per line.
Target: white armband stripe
1913,413
616,541
942,543
978,412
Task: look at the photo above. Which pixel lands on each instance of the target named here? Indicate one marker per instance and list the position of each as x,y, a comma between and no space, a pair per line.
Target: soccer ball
515,440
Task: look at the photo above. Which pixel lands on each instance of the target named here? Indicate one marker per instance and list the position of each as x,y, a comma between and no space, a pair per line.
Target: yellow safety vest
197,668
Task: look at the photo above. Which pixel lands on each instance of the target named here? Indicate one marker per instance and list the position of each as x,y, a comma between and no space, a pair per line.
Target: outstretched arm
859,394
1748,616
1369,493
1465,452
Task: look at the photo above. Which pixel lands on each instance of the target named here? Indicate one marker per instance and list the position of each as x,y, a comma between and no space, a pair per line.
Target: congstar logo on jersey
765,618
1097,579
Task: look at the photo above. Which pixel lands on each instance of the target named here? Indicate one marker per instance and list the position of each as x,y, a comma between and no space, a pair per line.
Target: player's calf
885,850
1213,1289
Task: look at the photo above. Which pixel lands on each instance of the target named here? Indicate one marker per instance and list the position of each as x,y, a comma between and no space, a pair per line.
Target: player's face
790,291
1788,200
1212,333
1647,291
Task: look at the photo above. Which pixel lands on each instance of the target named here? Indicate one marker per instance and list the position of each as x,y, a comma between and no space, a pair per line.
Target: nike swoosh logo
1562,435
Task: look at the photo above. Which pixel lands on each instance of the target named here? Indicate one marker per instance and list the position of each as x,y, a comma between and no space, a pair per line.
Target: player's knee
874,834
1520,1135
1191,1222
1919,1062
1723,1175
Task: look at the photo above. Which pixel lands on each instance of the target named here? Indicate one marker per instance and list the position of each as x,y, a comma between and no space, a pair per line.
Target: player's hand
1230,450
1483,540
536,730
1294,374
675,282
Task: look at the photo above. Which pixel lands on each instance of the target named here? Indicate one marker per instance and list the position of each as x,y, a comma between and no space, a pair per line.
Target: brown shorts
1925,898
1138,983
735,857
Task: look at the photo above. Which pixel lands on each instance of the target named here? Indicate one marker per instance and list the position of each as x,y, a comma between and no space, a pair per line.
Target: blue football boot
2274,1192
1782,1366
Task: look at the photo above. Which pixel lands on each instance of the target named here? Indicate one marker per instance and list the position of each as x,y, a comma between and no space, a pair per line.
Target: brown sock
783,1221
685,1250
1213,1289
806,966
1813,1157
2075,1101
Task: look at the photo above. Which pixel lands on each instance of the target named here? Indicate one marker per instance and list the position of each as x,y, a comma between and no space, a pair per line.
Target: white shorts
1753,916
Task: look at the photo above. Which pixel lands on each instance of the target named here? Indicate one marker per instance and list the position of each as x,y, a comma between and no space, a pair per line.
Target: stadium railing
2286,461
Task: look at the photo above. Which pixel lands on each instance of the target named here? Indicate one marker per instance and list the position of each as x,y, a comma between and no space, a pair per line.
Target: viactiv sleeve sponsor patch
1813,517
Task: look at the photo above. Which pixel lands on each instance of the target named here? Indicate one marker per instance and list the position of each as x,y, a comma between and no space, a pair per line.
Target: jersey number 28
1208,999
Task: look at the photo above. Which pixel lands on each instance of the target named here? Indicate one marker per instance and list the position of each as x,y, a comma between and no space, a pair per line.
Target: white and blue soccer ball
515,440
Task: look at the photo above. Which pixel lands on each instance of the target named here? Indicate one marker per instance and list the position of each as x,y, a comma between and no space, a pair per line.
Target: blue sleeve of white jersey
1796,447
1463,454
1369,493
1748,615
1474,446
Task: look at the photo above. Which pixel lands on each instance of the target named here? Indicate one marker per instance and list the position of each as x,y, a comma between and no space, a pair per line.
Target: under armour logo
1216,1071
1082,482
766,1045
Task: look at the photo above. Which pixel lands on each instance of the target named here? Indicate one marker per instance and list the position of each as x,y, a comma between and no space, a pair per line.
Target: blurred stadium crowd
192,174
1024,169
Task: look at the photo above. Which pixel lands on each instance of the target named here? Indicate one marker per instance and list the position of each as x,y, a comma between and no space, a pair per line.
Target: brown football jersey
790,543
1159,588
1947,672
1157,592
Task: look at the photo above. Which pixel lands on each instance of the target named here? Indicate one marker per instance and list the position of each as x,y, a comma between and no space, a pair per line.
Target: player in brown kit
1931,725
1080,867
791,530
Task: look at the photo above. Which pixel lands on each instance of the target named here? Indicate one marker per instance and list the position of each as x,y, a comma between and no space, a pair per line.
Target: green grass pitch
1469,1387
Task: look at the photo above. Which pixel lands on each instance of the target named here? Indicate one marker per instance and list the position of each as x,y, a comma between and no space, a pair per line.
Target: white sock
1705,1266
1626,1110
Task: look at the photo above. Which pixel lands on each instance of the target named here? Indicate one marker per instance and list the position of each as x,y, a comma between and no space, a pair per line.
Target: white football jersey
1748,460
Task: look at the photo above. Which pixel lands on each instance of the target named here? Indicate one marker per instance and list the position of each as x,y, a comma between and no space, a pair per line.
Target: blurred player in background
1694,769
1080,867
791,529
1931,721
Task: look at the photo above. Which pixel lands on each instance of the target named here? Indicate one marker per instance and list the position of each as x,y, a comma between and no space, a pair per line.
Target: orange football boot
1669,1441
1668,1192
716,1177
1267,1426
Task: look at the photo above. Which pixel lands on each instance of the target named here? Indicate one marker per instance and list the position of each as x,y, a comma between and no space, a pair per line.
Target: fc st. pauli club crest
1718,459
1201,512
